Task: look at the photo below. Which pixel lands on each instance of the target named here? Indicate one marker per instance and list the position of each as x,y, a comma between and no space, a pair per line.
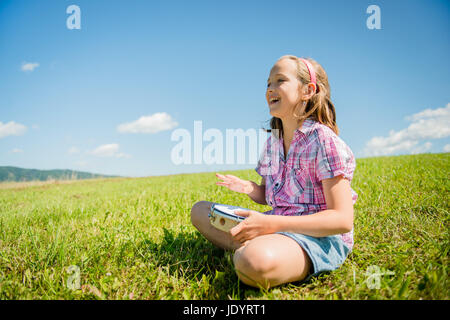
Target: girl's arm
257,192
337,219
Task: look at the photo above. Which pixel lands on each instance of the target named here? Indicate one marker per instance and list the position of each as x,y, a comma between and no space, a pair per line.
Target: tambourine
223,218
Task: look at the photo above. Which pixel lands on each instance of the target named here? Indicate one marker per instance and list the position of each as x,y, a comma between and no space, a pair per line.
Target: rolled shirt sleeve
334,158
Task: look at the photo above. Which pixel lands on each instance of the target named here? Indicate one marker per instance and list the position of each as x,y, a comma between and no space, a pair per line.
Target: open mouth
274,101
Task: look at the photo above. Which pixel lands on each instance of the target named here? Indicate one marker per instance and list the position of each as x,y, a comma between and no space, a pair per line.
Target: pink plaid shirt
293,185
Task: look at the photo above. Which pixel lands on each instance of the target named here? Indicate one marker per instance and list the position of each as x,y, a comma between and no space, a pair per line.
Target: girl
306,171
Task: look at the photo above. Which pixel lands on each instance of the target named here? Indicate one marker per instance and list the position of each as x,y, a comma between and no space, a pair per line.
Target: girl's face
283,89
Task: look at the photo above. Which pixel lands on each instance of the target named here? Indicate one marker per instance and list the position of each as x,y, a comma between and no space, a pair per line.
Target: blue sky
65,92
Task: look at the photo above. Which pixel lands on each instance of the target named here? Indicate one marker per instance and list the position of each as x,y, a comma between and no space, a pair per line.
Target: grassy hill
132,238
21,174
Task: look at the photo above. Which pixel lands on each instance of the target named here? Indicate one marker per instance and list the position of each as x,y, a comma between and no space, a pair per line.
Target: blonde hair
319,107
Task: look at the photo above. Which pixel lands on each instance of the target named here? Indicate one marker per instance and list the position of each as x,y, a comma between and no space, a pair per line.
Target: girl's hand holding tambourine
255,224
234,183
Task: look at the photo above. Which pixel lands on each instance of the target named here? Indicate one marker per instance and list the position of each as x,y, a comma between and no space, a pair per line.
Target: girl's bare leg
265,261
200,220
271,260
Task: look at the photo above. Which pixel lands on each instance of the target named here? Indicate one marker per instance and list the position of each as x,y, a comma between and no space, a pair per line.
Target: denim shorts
326,253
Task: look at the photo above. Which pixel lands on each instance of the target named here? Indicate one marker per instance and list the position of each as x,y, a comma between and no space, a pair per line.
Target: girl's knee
255,263
198,212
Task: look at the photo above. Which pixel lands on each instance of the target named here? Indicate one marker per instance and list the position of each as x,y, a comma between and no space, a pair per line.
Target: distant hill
21,174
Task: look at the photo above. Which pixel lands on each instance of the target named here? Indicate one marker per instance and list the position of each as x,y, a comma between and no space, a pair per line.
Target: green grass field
132,238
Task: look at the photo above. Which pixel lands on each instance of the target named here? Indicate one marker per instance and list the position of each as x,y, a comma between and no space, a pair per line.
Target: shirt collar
307,127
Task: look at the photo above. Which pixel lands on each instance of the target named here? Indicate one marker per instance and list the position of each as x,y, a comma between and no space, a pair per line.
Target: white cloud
123,155
427,124
447,148
16,150
29,66
422,148
149,124
106,150
73,150
430,113
11,129
109,150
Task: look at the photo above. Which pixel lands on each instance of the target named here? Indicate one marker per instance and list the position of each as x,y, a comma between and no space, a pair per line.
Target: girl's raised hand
234,183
